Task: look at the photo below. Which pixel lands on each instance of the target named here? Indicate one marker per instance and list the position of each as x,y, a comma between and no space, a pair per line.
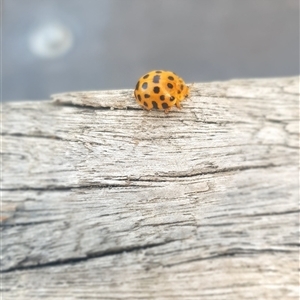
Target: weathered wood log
102,200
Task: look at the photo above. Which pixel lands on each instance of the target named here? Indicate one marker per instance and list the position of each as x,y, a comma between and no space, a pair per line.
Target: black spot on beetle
181,86
170,85
162,97
139,97
172,98
146,76
171,77
156,90
145,104
137,85
157,72
147,96
165,105
154,104
178,92
145,85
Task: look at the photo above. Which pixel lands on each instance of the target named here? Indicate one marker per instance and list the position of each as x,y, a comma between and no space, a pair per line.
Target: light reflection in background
56,46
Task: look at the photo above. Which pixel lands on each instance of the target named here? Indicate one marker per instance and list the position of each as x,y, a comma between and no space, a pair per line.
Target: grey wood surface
102,200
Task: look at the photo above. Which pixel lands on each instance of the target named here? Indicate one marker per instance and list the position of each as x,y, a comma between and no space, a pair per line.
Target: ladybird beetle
160,90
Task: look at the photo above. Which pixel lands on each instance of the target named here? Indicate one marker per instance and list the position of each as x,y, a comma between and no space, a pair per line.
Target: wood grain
102,200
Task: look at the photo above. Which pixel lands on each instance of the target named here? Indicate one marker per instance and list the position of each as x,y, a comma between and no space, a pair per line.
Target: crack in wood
75,260
127,182
234,252
4,225
274,213
40,136
59,102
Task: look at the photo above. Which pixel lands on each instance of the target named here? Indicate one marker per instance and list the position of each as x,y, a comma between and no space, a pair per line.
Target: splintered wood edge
235,88
119,99
124,99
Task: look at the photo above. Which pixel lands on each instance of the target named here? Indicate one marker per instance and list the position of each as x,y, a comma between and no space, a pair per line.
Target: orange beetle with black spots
161,90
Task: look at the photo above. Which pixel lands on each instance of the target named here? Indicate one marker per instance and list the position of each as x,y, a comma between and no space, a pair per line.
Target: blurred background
52,46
